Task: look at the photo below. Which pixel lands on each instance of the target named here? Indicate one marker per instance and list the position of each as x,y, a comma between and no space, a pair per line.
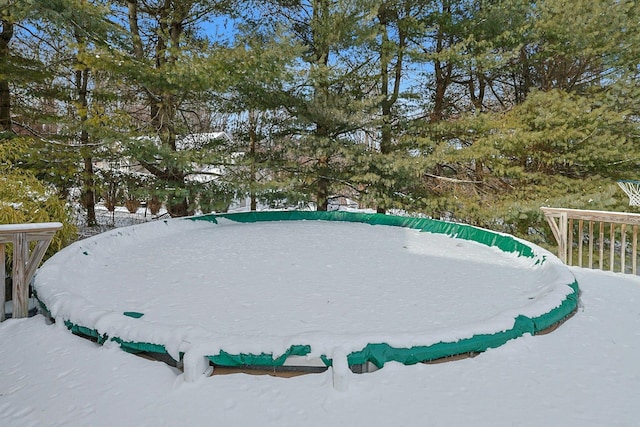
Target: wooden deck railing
606,240
25,262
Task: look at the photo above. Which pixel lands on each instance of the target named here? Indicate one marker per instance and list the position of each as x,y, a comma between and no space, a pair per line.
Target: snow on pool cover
255,288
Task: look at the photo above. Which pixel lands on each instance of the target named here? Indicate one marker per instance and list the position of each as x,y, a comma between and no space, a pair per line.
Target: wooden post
590,244
20,284
3,274
24,265
580,241
623,247
601,259
570,242
634,250
559,230
612,245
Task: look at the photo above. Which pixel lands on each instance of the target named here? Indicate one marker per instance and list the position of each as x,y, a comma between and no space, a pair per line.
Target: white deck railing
25,262
606,240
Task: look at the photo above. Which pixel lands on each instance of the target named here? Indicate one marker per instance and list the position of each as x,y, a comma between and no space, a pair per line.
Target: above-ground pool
281,288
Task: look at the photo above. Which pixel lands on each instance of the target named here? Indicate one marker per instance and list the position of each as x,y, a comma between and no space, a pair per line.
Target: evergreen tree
172,71
519,103
86,27
387,167
55,98
327,101
553,124
262,72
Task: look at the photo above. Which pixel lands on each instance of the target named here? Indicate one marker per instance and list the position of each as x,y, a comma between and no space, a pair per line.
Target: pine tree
172,73
262,69
327,100
553,124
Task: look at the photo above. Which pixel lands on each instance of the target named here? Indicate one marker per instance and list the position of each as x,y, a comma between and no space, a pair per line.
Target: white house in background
208,172
131,167
199,140
191,141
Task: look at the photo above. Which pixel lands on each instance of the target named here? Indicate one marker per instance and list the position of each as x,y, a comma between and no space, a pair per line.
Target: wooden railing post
24,264
559,230
20,285
3,277
634,250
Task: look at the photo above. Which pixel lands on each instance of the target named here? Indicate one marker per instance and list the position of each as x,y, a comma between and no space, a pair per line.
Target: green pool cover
379,353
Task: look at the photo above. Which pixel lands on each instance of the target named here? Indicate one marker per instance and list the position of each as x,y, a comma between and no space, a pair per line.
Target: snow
585,373
263,287
30,227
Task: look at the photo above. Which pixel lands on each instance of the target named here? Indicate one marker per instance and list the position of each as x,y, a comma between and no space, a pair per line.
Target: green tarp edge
378,353
86,332
130,347
140,347
263,359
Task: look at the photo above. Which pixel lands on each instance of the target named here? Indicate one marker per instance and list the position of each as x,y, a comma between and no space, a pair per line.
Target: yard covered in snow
586,373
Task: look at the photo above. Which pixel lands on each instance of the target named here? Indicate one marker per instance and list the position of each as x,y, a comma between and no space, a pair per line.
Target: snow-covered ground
106,220
585,373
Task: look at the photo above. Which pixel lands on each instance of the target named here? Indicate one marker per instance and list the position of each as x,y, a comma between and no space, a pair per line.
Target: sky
585,373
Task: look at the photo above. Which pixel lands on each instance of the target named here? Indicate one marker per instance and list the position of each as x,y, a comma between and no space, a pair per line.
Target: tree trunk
477,96
178,207
88,176
321,50
386,15
442,71
89,195
252,159
5,93
177,204
322,187
322,194
163,103
524,82
443,80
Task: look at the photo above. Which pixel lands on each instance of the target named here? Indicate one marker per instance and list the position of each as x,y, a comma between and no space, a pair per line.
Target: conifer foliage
477,111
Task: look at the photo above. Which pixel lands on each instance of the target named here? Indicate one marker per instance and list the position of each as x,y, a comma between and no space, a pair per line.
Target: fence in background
596,239
25,261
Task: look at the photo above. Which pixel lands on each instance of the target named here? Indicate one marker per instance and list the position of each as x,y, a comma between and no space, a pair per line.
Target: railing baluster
21,286
623,247
612,246
570,242
601,248
634,250
590,244
580,239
